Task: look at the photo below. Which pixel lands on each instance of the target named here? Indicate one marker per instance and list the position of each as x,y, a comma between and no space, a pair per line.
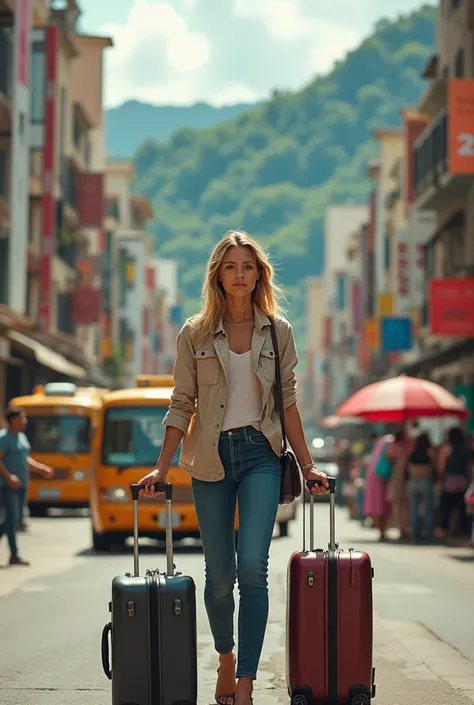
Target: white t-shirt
244,397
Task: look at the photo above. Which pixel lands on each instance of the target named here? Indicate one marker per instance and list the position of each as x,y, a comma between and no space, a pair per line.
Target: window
59,434
3,172
3,270
37,83
459,64
133,436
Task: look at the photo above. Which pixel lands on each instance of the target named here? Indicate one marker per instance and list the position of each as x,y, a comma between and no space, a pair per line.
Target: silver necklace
238,325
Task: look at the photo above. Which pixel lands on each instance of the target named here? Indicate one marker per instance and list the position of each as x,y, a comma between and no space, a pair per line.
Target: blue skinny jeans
252,482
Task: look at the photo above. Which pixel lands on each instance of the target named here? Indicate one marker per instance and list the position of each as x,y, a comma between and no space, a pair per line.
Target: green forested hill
274,170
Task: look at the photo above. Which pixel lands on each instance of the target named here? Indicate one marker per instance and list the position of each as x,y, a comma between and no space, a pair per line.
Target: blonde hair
265,294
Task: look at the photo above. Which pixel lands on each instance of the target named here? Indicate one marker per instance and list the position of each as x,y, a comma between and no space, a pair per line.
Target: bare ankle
225,659
245,683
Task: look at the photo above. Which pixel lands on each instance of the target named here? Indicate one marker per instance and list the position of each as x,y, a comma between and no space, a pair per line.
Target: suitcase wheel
361,699
302,696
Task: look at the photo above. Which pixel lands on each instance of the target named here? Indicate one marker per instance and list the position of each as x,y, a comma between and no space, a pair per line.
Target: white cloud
227,51
282,18
154,37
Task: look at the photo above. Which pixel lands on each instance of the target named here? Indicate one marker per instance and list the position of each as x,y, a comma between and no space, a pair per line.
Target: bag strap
278,388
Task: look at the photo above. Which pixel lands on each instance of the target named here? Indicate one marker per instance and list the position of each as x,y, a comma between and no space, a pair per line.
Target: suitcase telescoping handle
332,513
167,489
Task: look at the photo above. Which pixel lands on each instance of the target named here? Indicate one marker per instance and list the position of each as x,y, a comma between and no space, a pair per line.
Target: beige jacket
199,397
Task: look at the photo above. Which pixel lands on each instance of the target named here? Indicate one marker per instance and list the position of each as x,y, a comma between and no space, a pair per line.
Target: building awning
48,357
457,351
456,220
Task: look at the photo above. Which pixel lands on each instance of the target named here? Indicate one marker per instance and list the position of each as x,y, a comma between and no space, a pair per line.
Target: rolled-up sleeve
183,398
288,363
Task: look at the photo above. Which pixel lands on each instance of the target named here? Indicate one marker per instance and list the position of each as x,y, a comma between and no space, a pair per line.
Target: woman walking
376,504
421,470
223,408
455,471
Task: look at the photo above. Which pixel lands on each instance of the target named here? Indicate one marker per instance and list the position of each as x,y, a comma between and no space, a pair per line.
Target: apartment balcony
433,183
435,95
36,173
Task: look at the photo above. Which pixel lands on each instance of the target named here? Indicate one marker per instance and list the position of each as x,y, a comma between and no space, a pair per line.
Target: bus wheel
101,542
38,510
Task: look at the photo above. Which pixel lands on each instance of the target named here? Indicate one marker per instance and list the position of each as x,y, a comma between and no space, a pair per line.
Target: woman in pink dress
376,504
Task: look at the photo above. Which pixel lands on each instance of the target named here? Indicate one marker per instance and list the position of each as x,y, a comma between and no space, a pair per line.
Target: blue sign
396,334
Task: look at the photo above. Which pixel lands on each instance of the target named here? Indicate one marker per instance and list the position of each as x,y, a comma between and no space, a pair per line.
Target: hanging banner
452,307
461,126
396,334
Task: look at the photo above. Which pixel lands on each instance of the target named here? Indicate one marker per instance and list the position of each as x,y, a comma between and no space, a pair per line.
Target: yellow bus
129,438
128,441
62,419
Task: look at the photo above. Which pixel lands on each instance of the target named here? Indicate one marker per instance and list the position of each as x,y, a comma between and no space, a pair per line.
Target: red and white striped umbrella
401,398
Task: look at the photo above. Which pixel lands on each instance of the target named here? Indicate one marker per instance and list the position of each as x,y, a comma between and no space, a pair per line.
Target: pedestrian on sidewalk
455,470
421,471
398,453
224,406
376,504
15,462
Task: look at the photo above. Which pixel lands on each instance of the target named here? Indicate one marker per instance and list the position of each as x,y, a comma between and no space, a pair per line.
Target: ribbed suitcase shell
153,638
329,637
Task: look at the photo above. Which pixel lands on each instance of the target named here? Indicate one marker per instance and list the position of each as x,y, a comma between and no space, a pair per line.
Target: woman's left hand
321,477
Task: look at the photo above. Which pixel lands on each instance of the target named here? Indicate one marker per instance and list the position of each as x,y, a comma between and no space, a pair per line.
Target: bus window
134,435
59,434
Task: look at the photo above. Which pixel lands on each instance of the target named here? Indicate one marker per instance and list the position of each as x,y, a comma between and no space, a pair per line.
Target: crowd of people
406,482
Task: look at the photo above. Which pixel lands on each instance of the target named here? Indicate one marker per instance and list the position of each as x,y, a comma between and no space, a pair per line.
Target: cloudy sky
225,51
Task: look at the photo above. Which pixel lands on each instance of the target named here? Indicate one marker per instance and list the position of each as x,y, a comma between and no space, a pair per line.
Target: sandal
224,698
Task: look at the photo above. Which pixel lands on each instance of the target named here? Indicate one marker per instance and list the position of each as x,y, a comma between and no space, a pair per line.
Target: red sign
23,17
461,126
327,332
49,203
403,284
452,307
90,199
86,305
150,277
356,303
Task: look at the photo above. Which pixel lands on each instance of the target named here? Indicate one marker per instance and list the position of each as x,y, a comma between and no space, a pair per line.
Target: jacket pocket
208,367
267,364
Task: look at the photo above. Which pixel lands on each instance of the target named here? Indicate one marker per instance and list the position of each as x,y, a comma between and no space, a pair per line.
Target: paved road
51,617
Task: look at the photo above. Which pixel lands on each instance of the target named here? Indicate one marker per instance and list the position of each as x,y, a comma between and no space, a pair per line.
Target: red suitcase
329,622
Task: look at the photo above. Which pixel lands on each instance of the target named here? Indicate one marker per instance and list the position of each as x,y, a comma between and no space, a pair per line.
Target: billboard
452,307
461,126
20,158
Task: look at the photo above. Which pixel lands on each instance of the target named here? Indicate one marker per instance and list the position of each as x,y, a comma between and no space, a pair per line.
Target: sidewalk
49,544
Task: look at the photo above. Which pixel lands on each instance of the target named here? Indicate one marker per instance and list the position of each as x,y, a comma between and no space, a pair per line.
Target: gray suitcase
153,630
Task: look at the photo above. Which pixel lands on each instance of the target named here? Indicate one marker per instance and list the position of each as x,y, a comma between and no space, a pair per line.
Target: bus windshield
59,434
134,435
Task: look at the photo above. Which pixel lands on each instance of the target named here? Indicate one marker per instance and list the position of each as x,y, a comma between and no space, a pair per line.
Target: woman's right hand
156,475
